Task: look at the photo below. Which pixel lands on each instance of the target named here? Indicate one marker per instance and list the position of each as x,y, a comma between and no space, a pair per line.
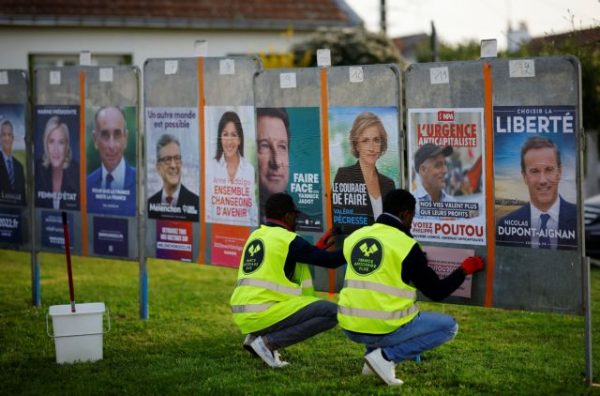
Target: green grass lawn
191,346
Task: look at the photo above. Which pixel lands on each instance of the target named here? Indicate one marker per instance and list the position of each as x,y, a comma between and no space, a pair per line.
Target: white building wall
17,43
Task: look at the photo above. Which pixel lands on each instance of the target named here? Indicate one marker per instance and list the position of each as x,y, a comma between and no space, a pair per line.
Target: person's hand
472,264
326,240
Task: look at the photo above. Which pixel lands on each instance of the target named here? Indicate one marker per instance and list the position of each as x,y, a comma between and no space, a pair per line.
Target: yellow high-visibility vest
374,298
263,295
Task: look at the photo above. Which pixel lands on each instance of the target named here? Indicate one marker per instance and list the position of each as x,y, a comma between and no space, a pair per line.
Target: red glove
472,264
326,240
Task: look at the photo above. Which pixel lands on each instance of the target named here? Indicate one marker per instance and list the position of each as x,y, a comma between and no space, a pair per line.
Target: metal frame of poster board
14,90
178,92
555,280
519,278
353,89
293,89
74,93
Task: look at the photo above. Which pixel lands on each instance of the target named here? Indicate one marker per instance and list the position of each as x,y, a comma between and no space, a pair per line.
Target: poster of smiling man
173,171
445,157
12,155
535,151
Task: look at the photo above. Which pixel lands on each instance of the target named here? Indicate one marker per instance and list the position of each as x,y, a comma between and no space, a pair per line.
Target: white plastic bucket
77,335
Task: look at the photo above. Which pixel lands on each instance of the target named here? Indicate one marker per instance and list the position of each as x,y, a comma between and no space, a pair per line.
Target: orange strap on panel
489,184
82,166
327,177
201,115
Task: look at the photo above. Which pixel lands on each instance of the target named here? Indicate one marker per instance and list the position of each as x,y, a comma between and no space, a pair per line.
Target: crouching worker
273,302
377,306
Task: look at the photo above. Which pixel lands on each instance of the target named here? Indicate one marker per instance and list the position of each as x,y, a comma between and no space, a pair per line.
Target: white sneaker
281,363
272,359
247,341
385,369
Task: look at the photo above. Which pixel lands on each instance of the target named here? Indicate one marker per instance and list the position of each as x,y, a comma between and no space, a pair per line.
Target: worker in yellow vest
272,302
386,267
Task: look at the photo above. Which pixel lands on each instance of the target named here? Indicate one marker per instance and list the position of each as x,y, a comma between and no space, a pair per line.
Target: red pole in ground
68,254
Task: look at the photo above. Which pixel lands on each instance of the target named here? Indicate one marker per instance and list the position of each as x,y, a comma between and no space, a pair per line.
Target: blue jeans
426,331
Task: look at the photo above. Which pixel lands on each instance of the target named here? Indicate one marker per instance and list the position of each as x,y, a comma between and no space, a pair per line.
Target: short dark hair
537,142
275,112
163,141
397,201
278,205
227,117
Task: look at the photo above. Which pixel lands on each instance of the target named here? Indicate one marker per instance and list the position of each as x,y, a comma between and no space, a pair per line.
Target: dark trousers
311,320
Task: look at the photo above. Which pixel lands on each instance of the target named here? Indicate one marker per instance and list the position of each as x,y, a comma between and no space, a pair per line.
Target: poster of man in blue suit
111,180
540,144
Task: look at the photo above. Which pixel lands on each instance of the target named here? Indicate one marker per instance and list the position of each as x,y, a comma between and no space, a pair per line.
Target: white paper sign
226,66
521,68
357,74
3,78
85,58
287,80
106,74
54,77
323,57
171,66
439,75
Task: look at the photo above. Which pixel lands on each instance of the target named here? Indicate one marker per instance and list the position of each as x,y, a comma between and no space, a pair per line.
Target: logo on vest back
253,256
366,256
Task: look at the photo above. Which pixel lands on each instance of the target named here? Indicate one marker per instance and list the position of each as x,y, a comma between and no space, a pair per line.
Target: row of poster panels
110,148
251,153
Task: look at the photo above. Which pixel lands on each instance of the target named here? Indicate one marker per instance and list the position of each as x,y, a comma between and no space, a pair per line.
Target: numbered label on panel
521,68
287,80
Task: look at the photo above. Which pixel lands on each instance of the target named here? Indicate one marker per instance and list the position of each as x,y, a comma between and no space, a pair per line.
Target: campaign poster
53,236
535,166
364,162
56,137
230,175
174,240
13,160
111,236
444,261
11,231
172,163
446,177
111,181
227,243
289,160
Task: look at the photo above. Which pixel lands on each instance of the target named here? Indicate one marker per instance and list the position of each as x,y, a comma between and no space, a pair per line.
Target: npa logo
445,116
366,256
253,256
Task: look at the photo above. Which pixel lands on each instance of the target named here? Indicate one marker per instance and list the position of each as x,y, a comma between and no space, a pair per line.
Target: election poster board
230,175
446,156
12,144
53,236
11,226
111,160
364,162
227,243
444,261
289,160
535,150
174,240
111,236
305,185
56,137
173,171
